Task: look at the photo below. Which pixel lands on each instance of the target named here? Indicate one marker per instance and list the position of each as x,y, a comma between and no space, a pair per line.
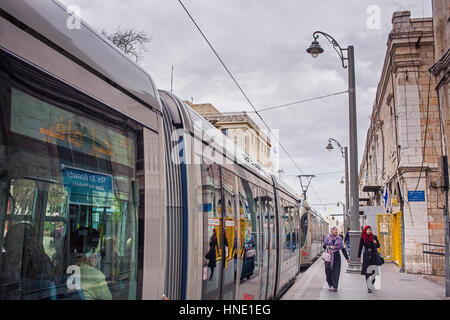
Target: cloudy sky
263,43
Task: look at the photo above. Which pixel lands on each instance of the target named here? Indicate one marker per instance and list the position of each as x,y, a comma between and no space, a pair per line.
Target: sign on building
416,196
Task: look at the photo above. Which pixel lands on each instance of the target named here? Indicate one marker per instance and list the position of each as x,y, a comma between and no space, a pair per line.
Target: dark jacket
370,253
347,237
211,255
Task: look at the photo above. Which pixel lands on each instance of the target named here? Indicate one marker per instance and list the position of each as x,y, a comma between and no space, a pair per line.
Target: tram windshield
68,204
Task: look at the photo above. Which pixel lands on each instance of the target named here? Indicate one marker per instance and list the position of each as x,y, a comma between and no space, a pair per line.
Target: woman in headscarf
333,244
370,243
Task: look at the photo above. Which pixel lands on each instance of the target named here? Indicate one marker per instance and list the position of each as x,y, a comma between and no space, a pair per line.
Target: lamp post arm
338,145
336,46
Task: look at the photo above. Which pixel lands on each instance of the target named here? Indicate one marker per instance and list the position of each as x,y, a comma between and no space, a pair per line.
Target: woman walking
333,244
370,243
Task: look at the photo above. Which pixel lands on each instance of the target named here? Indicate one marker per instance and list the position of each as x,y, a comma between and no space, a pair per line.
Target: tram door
220,233
266,212
272,247
229,267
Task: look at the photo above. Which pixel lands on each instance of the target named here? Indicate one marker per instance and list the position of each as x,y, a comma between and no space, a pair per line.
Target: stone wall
404,116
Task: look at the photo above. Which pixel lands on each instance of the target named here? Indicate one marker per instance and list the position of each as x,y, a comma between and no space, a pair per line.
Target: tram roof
204,126
50,19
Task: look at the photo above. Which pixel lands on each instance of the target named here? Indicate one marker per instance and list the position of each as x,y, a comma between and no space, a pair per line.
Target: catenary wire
300,101
244,94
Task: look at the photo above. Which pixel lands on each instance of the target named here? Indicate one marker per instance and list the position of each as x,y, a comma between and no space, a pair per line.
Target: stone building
441,66
240,128
403,146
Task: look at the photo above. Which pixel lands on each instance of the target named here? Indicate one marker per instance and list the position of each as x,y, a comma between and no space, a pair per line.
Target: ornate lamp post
315,49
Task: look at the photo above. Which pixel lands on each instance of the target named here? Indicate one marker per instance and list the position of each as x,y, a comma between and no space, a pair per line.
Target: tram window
212,231
249,285
230,236
304,228
286,230
70,225
295,227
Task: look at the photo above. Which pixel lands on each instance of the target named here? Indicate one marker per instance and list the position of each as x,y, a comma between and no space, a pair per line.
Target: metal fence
434,259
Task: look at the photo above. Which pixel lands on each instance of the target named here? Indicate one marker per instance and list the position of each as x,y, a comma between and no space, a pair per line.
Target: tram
113,189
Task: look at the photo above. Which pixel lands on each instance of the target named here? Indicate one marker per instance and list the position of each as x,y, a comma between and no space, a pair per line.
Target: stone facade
441,67
403,142
242,130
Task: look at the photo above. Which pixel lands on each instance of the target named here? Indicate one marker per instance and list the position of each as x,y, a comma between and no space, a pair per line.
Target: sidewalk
312,285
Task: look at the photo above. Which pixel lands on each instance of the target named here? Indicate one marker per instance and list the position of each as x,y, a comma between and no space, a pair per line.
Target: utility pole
315,49
305,181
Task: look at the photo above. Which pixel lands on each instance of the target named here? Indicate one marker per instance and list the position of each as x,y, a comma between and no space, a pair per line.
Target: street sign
416,196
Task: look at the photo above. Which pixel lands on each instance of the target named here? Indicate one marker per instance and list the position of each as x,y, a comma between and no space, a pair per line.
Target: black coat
211,255
370,253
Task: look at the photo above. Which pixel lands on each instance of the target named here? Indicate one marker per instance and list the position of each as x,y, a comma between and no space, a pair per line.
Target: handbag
326,256
379,259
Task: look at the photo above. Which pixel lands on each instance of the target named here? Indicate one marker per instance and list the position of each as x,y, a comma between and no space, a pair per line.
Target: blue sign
207,207
88,188
416,196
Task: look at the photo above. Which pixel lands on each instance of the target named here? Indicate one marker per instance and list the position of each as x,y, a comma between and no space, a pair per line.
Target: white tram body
104,174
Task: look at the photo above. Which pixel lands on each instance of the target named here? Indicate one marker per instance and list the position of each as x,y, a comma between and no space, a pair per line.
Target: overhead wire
300,101
245,95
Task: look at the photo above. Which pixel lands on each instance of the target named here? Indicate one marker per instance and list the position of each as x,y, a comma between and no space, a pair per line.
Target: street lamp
315,49
344,153
344,213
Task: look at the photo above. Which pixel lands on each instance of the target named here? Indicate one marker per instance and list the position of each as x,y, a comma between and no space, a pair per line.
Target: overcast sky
263,43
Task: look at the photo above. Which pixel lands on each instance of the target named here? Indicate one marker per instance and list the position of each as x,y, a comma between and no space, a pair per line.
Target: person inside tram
25,265
84,241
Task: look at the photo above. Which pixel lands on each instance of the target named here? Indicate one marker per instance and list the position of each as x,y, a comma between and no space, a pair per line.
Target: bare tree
132,42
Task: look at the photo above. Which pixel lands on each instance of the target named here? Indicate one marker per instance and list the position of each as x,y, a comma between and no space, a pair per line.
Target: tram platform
394,285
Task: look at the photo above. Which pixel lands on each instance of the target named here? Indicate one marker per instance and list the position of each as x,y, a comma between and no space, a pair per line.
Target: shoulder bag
326,256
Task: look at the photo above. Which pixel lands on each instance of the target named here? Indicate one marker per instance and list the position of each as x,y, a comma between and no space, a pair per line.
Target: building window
225,131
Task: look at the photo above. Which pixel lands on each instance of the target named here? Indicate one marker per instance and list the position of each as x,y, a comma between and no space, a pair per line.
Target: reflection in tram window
269,244
296,232
304,228
249,277
212,234
286,230
229,216
68,204
269,201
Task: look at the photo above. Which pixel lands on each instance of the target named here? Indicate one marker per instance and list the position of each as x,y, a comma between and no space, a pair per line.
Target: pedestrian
211,254
370,243
333,244
347,239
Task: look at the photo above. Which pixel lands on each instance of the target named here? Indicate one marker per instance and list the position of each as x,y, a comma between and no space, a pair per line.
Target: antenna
171,81
305,181
280,172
